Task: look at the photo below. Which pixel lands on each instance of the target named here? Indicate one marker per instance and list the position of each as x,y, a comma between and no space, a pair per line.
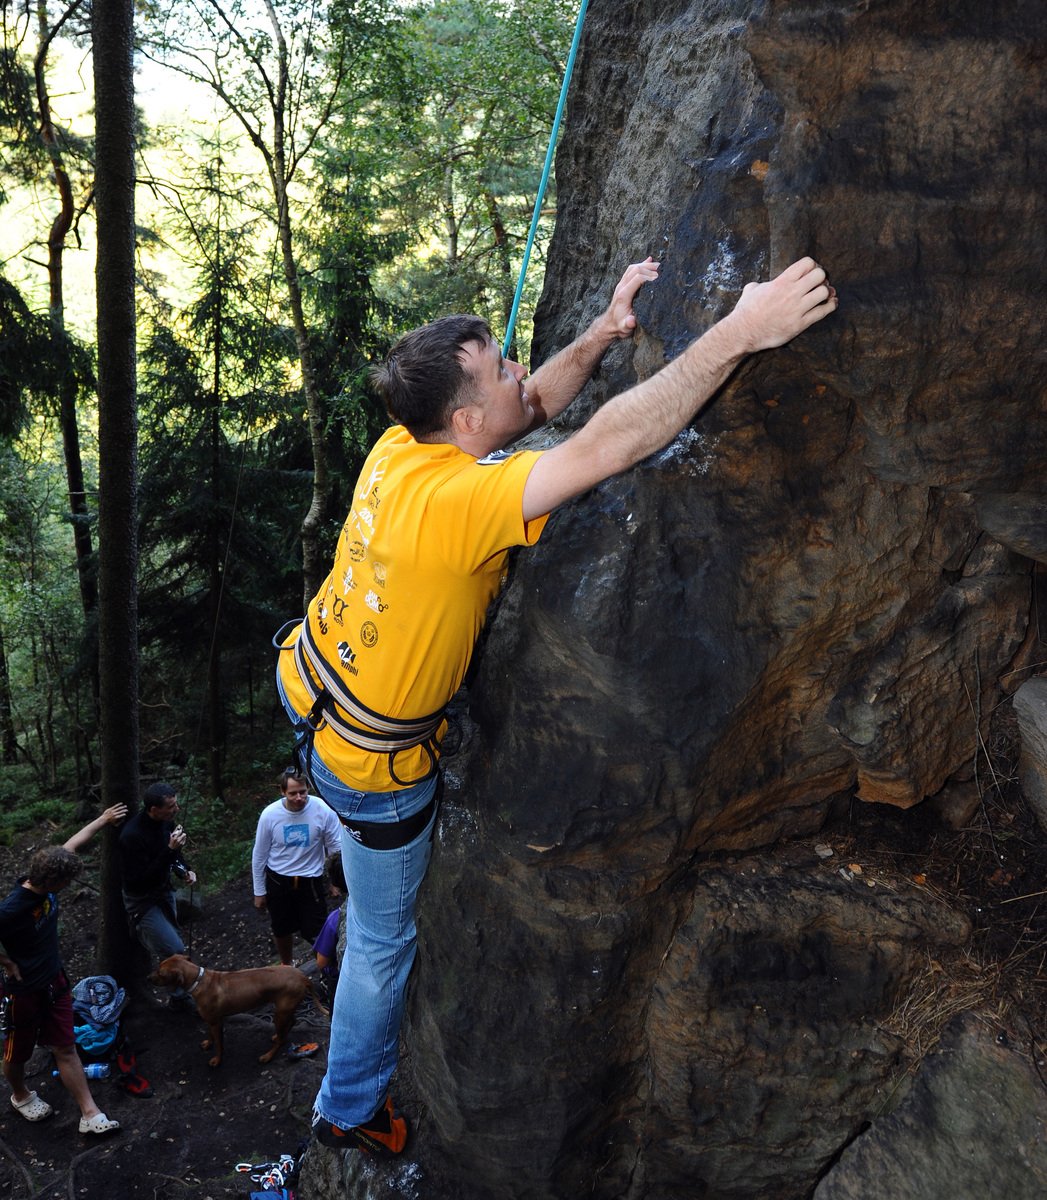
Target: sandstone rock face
815,589
1030,705
974,1125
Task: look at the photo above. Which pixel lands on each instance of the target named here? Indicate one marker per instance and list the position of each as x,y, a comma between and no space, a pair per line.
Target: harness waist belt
381,835
293,880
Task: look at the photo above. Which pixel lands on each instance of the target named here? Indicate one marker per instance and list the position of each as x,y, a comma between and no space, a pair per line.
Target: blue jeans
379,950
159,935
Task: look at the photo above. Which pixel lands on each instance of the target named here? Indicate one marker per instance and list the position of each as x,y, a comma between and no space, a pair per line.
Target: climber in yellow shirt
387,639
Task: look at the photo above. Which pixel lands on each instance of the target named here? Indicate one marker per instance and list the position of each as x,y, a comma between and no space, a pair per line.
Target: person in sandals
38,1001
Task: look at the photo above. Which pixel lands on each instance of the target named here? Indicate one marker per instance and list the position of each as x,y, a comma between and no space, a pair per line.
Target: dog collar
196,982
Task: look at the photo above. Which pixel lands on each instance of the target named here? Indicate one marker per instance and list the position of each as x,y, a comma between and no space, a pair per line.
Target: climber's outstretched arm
556,382
648,416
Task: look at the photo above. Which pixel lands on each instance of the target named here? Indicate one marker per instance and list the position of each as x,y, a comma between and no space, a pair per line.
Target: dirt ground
185,1140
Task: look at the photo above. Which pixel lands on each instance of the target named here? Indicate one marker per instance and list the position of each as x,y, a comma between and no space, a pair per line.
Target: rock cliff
821,589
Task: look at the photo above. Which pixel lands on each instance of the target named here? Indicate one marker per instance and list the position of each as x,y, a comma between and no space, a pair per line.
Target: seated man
38,1001
150,853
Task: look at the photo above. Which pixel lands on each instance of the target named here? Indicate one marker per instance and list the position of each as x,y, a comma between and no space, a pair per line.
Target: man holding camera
151,853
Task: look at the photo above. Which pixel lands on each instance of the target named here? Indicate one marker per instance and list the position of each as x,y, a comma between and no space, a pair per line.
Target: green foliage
50,816
41,617
17,117
221,491
221,837
347,314
464,171
35,360
414,139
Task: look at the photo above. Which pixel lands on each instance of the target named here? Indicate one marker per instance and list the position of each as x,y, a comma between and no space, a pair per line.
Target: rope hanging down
545,176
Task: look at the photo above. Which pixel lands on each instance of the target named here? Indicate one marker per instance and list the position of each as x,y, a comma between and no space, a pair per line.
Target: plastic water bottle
97,1070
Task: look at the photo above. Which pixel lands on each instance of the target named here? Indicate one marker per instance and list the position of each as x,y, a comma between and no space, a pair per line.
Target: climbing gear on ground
271,1175
99,999
128,1077
302,1049
384,1135
32,1107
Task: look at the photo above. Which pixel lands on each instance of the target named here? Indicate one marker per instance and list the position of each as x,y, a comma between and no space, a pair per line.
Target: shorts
42,1017
295,902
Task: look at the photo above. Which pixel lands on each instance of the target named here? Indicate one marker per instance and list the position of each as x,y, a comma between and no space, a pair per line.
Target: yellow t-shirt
420,557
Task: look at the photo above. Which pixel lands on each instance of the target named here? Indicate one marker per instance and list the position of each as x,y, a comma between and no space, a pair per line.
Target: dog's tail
317,999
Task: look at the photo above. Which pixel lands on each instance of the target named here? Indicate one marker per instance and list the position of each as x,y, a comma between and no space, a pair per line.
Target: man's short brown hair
423,379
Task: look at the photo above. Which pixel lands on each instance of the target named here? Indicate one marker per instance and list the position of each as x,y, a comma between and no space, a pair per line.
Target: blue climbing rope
545,175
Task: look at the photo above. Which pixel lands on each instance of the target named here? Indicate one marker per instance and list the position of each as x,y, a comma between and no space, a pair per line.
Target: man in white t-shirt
294,837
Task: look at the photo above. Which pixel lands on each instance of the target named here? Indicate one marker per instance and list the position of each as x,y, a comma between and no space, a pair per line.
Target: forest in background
345,170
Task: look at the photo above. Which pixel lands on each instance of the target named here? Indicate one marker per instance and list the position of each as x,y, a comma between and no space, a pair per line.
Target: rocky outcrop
974,1125
1030,706
814,591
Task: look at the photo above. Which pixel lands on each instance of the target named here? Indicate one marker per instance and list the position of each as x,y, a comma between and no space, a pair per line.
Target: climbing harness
391,835
568,71
382,734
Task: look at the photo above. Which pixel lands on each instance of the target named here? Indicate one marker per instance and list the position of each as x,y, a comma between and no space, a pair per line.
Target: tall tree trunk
313,558
504,263
450,218
113,43
67,416
60,227
214,674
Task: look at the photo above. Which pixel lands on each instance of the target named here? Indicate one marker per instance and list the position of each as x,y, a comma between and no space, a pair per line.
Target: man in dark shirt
150,853
38,1005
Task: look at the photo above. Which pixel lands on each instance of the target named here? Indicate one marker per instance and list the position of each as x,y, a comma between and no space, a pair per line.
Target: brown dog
219,994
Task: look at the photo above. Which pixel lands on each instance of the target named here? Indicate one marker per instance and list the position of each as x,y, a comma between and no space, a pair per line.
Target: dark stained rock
1030,706
766,1009
1018,521
973,1125
814,590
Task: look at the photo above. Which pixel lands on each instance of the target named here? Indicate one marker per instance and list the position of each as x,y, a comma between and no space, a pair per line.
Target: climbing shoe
302,1049
384,1135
